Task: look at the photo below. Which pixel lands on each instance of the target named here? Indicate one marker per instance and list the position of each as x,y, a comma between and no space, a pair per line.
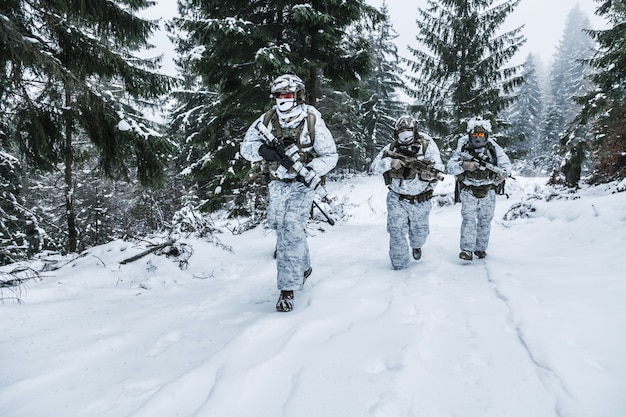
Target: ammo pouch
479,191
420,198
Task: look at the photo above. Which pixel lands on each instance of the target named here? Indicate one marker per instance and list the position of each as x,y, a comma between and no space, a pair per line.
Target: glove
396,163
268,153
470,166
427,176
309,176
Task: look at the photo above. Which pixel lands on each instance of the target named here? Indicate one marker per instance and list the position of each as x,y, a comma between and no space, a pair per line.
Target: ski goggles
285,95
478,134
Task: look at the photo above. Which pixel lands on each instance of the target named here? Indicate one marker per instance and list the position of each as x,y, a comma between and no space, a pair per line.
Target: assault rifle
484,165
419,165
290,158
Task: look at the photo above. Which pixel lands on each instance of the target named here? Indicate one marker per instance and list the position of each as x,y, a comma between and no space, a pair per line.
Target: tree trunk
313,87
72,234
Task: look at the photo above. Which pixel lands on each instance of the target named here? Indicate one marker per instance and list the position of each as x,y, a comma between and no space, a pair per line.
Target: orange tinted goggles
285,95
478,134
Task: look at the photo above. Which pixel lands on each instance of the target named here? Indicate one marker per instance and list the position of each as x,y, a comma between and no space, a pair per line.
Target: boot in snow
466,255
417,253
285,301
480,253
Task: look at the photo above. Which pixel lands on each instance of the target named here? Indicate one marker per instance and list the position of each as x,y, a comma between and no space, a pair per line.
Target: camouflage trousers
406,219
477,214
287,212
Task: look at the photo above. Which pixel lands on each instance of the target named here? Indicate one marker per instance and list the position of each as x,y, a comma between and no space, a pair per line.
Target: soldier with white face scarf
291,121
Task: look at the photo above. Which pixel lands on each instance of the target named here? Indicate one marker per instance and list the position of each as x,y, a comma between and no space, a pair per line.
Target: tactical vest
481,174
290,136
478,174
406,173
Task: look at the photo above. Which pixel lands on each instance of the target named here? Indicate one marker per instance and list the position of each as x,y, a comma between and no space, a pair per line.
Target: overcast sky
543,20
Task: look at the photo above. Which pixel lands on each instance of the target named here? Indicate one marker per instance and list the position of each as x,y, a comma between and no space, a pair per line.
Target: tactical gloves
470,166
396,163
268,153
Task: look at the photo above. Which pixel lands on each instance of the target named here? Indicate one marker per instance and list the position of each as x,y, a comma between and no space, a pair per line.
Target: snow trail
509,335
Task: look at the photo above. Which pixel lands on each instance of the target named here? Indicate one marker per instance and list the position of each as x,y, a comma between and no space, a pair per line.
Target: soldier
291,121
411,166
477,183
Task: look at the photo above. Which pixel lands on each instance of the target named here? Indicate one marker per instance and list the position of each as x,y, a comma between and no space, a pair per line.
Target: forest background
98,142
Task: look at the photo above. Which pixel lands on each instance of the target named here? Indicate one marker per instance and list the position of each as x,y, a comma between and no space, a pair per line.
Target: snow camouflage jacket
323,147
492,153
414,186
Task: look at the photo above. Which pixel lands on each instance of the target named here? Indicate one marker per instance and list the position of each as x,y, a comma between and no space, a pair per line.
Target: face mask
405,137
285,104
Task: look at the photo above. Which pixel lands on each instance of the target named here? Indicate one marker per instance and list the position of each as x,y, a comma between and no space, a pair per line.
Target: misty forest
98,144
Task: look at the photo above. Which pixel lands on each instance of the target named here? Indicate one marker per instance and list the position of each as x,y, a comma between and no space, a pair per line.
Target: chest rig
291,136
416,150
488,155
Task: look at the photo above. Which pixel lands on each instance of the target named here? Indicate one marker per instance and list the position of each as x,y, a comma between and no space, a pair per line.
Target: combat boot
466,255
285,301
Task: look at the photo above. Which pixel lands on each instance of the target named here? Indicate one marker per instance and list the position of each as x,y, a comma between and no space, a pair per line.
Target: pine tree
20,234
568,78
604,108
568,73
63,58
238,47
526,112
462,72
382,108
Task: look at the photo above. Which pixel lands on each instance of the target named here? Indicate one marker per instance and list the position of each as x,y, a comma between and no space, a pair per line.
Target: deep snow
536,329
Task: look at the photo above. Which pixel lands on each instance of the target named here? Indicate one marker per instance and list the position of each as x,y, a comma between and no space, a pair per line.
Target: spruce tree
383,106
568,78
568,74
525,113
63,58
604,107
237,48
20,233
462,71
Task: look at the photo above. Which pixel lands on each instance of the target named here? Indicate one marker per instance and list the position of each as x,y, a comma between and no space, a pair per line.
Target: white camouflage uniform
290,200
477,213
403,216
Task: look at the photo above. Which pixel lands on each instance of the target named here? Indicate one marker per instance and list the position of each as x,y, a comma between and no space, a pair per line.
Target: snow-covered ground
537,329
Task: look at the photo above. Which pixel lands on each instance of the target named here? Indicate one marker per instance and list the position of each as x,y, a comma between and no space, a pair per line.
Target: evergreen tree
525,114
547,157
568,78
462,73
604,108
382,107
568,73
20,233
62,58
238,47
